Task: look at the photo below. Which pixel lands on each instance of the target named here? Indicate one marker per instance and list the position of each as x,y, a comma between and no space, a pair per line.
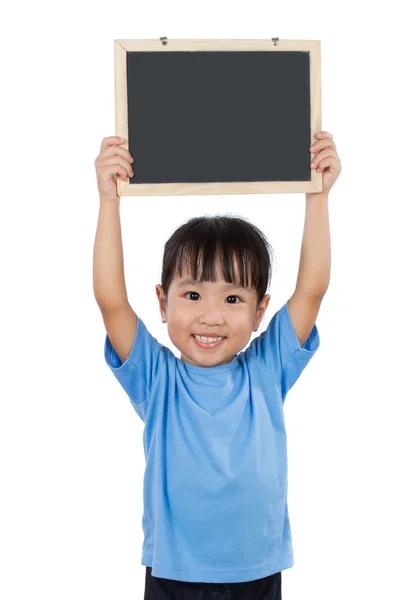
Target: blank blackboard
200,120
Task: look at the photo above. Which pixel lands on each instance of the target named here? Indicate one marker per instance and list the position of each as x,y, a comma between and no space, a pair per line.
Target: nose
211,315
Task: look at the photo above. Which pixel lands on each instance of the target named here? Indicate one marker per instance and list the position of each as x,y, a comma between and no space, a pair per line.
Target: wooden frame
121,47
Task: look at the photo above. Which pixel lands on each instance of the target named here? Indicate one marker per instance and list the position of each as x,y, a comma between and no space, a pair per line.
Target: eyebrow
231,286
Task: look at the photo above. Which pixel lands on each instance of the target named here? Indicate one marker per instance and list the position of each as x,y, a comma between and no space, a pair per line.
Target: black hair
202,241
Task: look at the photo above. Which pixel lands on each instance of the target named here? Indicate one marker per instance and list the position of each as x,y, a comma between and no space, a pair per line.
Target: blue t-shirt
215,483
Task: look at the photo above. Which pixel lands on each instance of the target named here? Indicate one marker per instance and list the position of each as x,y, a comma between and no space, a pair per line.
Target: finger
116,150
320,144
323,134
109,141
331,162
322,155
116,160
108,171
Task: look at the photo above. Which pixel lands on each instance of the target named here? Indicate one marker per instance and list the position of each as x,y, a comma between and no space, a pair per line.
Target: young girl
215,518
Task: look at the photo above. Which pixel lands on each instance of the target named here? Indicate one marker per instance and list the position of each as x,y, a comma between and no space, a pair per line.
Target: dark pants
267,588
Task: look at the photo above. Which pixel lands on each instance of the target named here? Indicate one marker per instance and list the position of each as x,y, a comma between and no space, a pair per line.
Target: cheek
182,314
241,316
183,310
180,319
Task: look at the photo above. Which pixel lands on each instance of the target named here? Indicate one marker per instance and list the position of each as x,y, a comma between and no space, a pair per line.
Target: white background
71,451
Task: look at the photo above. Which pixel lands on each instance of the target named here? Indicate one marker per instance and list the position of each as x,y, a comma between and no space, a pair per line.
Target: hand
112,160
326,160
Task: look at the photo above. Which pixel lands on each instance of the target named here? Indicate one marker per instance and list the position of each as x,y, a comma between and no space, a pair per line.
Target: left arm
315,257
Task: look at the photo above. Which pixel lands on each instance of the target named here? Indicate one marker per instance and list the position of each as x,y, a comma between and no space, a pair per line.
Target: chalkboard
218,116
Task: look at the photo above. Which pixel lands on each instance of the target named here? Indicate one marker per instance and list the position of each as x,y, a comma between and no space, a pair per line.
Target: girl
215,518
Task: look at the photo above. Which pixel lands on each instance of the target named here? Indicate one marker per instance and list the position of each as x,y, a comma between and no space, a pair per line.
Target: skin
214,307
325,160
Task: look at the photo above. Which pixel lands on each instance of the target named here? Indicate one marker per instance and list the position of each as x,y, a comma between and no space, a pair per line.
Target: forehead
187,271
186,279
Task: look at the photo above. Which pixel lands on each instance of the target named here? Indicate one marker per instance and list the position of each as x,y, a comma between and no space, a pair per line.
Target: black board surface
219,116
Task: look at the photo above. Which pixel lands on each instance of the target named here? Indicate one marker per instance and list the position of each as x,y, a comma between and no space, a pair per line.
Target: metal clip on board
164,41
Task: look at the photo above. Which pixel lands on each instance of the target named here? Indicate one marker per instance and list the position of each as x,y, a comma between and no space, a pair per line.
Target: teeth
207,340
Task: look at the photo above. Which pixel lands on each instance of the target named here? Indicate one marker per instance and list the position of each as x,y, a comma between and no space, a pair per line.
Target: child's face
210,309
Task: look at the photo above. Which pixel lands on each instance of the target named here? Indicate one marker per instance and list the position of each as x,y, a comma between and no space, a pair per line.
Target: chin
211,361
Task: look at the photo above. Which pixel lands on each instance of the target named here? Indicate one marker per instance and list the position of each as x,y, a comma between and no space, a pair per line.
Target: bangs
205,248
202,263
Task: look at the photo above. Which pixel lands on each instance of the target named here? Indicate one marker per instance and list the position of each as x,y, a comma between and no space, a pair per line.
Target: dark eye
233,297
195,293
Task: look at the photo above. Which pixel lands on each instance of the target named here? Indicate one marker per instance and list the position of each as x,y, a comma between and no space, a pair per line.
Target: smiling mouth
208,345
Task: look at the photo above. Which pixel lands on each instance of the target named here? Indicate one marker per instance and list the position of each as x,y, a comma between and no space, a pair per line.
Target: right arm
108,263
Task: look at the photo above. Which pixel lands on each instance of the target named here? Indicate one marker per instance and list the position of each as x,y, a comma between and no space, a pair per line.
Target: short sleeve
142,366
280,352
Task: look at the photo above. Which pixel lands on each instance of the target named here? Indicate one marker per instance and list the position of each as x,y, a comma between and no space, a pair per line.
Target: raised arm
108,262
315,257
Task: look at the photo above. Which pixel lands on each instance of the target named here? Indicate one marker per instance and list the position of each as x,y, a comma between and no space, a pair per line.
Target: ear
162,300
262,307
